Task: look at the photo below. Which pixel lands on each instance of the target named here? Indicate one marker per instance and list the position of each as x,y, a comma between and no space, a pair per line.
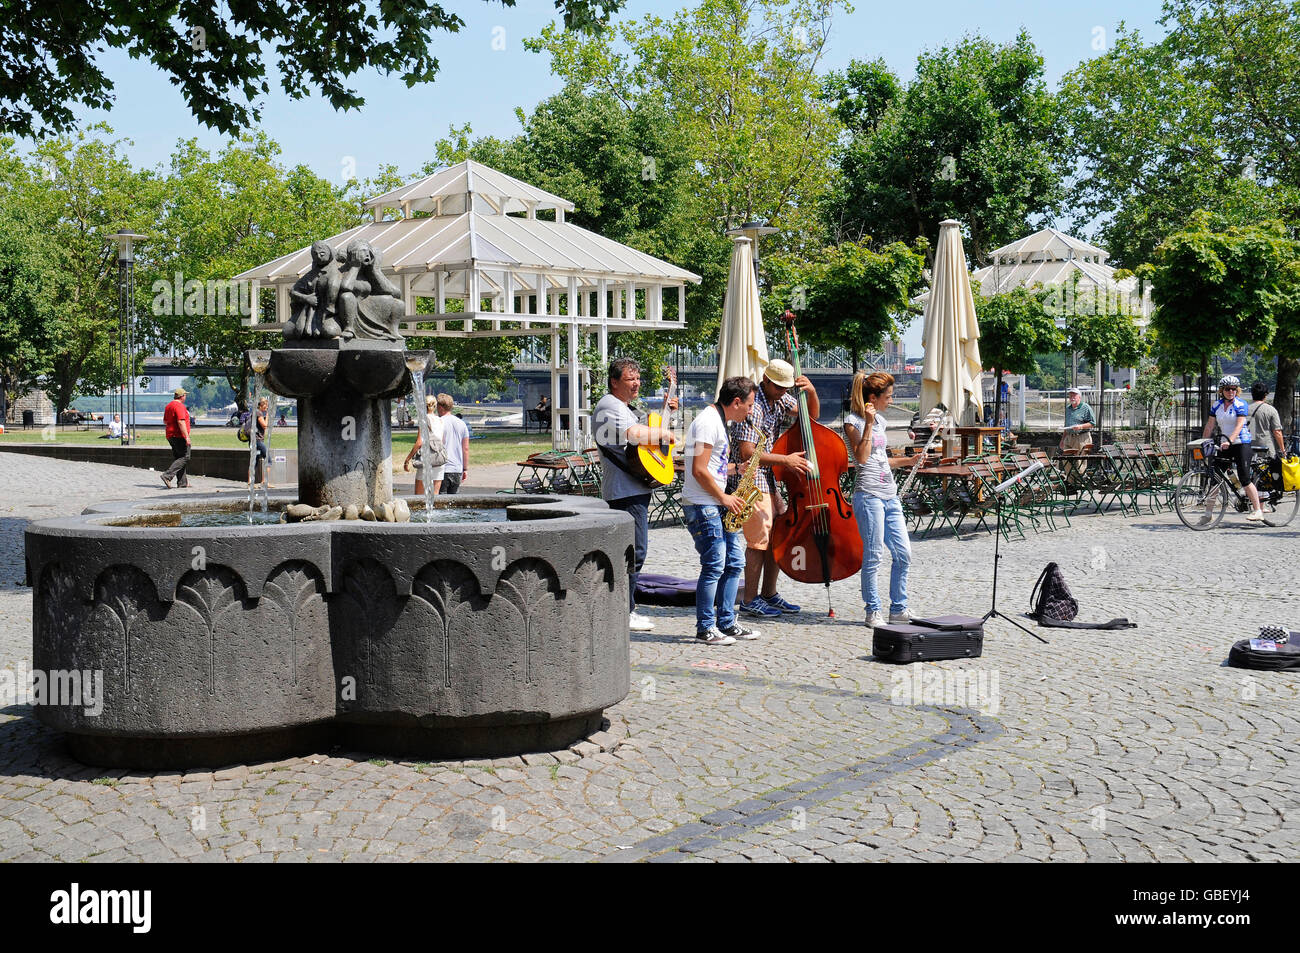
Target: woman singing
875,497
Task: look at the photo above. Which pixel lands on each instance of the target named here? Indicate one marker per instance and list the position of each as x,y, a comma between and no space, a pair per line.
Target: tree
1014,327
1218,289
217,54
737,80
968,138
25,345
73,193
851,296
629,174
224,215
1204,118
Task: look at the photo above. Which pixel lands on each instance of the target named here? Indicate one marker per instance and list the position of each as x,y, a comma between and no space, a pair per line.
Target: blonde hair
867,385
445,402
429,401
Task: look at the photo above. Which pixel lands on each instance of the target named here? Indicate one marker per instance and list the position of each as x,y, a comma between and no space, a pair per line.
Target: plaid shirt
766,418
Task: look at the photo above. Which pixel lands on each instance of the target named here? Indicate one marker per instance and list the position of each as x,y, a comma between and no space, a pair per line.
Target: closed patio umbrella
742,343
952,368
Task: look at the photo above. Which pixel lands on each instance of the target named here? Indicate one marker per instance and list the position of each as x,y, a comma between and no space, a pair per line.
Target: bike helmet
1229,380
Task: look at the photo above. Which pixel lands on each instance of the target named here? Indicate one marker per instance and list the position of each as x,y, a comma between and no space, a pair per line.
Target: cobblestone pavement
1104,745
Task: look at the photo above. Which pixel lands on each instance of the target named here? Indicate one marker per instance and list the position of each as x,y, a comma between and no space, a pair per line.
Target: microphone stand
998,492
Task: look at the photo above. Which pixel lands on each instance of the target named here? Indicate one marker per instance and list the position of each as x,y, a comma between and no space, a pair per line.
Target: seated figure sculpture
314,297
369,305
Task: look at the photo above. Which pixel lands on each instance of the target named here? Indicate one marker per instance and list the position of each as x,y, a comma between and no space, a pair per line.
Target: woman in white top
435,440
875,497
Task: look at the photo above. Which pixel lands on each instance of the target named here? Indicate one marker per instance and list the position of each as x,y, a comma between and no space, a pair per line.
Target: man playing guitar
772,405
616,427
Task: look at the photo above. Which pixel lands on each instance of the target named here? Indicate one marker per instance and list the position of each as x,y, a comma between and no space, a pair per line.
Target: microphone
1007,484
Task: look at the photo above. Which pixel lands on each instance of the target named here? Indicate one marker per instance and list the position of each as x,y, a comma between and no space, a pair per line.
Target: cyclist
1231,414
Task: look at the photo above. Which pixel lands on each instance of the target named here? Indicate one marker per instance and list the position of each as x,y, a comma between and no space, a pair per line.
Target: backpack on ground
1266,654
1052,604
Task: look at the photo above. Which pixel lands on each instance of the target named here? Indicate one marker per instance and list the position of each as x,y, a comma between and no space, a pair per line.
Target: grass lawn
484,450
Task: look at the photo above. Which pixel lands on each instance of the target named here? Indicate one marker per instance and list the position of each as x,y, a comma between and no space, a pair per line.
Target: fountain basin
226,644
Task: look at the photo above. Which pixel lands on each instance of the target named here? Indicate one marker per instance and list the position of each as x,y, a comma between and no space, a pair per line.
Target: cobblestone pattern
1104,745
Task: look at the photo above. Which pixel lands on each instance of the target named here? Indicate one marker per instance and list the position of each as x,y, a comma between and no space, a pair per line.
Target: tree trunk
854,352
1288,371
1203,397
997,394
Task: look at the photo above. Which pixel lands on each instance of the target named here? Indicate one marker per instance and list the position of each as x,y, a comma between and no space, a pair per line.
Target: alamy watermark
57,687
960,688
207,298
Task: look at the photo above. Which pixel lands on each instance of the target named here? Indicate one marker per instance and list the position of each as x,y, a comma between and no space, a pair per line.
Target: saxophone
747,490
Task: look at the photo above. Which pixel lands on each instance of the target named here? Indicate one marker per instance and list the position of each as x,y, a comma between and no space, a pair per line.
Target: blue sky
482,85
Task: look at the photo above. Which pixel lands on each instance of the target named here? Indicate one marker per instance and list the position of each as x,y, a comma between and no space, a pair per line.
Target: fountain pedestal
344,434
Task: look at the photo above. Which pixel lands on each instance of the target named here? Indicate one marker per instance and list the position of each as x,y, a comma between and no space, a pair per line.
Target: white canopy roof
506,193
1052,258
468,245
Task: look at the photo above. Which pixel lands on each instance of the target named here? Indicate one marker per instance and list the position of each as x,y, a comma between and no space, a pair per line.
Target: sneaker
714,637
738,631
903,617
759,607
639,623
167,481
1204,520
874,619
1255,515
776,602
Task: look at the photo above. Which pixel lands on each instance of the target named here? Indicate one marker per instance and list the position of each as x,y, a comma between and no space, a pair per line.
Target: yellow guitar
655,461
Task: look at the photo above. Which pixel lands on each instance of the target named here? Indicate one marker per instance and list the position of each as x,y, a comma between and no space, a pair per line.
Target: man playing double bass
773,405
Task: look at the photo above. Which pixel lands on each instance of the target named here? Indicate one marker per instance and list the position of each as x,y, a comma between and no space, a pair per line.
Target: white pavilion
471,233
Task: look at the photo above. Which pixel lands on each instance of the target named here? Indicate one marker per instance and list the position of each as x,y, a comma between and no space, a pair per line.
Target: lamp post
753,231
126,326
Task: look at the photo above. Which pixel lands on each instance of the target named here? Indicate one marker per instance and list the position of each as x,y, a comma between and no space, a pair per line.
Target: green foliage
737,81
1154,394
218,55
69,196
849,295
1217,289
967,139
1014,327
25,346
225,214
1204,118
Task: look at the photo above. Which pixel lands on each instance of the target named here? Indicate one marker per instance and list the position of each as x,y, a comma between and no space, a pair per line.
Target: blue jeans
638,507
722,563
881,524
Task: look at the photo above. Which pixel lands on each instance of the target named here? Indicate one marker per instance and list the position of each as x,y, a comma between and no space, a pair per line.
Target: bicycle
1202,493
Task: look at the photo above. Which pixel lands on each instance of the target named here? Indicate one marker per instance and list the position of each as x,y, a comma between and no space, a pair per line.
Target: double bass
817,538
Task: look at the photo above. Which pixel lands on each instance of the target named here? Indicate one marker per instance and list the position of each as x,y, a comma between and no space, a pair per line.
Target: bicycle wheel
1285,510
1200,494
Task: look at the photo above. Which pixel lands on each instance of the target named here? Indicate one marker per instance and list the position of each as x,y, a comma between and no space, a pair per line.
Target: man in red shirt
176,420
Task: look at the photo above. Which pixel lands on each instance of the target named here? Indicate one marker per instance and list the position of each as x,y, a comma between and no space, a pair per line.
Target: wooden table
979,433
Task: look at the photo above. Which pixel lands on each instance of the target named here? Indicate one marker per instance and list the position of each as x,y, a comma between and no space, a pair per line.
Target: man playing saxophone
773,406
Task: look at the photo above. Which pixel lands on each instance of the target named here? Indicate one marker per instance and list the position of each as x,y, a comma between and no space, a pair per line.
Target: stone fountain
220,644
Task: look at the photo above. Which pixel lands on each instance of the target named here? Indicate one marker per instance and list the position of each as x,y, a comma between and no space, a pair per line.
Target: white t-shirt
874,476
709,428
115,428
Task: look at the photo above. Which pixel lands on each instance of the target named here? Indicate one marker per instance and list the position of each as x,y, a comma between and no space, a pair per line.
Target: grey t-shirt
1264,419
609,426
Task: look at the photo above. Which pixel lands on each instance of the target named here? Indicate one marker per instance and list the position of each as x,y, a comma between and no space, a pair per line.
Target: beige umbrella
742,345
952,368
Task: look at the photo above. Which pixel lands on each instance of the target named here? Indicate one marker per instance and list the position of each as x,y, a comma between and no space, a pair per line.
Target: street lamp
752,231
126,326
